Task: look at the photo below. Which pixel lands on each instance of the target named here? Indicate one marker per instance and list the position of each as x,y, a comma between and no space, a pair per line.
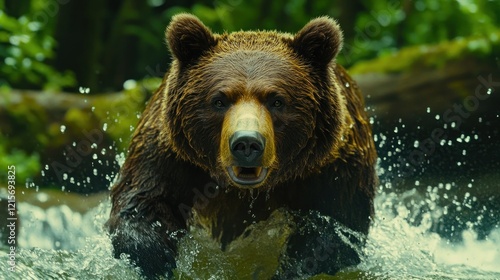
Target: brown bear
240,114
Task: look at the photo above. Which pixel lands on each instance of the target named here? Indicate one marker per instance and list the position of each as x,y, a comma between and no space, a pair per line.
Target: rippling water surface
60,243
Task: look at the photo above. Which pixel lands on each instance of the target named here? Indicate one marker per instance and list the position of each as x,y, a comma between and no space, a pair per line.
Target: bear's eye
219,101
219,104
277,103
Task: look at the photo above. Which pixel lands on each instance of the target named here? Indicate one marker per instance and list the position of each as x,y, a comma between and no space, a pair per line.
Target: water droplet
105,126
347,85
428,109
94,156
63,128
129,84
415,144
65,176
84,90
438,117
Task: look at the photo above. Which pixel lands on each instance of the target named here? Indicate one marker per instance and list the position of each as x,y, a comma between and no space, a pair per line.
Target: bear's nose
247,146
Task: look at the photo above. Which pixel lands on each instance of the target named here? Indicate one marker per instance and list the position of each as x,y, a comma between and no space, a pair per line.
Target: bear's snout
247,147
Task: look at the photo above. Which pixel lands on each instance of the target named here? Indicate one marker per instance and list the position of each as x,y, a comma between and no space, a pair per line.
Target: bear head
253,109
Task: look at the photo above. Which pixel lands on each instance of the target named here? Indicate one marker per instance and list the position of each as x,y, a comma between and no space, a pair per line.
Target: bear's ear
188,38
319,41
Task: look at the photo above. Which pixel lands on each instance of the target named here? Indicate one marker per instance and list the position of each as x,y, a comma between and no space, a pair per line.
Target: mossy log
418,95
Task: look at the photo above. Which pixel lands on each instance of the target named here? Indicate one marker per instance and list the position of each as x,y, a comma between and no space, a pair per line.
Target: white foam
479,254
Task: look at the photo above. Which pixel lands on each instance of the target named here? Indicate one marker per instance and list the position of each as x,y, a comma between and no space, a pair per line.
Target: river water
61,243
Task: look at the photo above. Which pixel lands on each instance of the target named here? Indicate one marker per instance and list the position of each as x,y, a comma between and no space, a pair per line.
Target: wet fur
324,151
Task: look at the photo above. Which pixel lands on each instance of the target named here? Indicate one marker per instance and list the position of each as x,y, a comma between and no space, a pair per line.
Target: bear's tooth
258,170
236,170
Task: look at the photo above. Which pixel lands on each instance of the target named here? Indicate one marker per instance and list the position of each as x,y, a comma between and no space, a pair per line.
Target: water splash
59,243
402,247
62,243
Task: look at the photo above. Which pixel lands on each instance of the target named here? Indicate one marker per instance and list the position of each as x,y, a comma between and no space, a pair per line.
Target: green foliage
380,26
128,42
23,123
233,15
387,26
26,165
26,47
423,56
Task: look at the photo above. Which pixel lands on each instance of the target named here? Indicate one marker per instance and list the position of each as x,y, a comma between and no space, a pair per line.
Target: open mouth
247,175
